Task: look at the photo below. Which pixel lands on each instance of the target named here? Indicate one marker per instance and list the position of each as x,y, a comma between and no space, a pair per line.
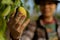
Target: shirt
51,30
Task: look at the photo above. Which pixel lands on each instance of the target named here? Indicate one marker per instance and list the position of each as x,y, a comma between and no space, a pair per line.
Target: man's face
47,8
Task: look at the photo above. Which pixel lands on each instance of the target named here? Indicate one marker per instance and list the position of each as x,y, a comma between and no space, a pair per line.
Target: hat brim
38,1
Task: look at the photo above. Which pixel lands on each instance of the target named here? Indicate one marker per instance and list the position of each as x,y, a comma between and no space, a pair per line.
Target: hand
17,24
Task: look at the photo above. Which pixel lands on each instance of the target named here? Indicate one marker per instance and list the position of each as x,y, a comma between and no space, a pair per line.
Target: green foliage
8,2
37,8
6,11
57,16
25,1
2,28
7,7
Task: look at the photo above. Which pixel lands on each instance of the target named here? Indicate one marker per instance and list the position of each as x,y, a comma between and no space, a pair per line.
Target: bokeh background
35,11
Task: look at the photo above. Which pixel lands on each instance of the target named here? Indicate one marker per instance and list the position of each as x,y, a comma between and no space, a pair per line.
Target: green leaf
17,3
2,7
8,2
2,25
6,11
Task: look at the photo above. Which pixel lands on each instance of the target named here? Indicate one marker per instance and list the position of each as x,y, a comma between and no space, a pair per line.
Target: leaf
6,11
8,2
2,28
2,25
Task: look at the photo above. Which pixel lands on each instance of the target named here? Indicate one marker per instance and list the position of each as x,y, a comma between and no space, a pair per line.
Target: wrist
13,37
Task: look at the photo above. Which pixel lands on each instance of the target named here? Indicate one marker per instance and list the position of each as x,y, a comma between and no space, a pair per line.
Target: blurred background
35,11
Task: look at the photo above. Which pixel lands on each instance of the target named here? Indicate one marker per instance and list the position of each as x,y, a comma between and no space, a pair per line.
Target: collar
40,22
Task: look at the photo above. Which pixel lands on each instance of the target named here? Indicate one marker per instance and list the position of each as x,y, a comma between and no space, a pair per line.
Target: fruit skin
6,11
24,13
22,10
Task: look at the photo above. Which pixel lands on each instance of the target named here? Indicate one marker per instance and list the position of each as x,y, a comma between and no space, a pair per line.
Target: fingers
12,14
26,23
17,17
23,26
20,22
10,21
20,28
13,21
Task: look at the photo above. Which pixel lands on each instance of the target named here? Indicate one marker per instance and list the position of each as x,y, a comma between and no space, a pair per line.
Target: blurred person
45,28
47,24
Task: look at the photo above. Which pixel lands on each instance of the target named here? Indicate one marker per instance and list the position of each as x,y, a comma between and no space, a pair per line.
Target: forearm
13,37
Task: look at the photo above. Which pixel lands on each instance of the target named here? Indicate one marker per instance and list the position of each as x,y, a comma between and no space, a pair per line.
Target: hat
39,1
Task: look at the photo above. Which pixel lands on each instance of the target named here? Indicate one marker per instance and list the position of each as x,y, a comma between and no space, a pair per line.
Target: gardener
47,24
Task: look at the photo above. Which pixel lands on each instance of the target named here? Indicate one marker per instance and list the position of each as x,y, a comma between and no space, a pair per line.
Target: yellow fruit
22,10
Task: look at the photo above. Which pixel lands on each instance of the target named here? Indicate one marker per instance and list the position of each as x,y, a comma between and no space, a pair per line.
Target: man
47,25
